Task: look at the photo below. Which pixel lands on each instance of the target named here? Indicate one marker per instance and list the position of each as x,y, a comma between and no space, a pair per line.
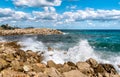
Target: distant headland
9,30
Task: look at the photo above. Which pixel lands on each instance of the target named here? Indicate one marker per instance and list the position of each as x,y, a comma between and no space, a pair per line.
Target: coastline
41,31
15,62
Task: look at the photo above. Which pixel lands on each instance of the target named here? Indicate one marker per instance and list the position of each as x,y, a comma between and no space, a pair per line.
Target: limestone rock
52,72
40,74
51,64
38,67
85,68
3,64
10,73
92,62
109,68
74,73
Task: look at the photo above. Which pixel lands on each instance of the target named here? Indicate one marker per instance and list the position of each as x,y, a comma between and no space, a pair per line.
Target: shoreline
41,31
15,62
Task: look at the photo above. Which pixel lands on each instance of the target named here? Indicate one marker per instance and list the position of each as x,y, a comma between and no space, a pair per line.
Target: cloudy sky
61,14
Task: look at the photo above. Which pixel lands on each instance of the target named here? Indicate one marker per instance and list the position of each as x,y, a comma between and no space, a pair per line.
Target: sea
74,46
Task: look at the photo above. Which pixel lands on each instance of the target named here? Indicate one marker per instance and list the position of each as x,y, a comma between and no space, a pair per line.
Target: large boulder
109,68
85,68
92,62
51,64
65,68
74,73
52,72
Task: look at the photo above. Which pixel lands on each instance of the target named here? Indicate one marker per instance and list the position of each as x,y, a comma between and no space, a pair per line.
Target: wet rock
74,73
99,69
85,68
109,68
52,72
92,62
50,49
71,64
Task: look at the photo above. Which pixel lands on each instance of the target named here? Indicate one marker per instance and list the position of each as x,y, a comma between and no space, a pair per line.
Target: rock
50,49
74,73
71,64
85,68
38,67
92,62
16,66
52,72
99,69
27,68
51,64
119,66
109,68
3,64
40,74
11,73
65,68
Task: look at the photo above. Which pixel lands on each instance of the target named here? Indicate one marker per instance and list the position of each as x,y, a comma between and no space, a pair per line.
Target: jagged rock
109,68
85,68
11,73
65,68
51,64
52,72
99,69
71,64
3,64
38,67
92,62
74,73
16,66
27,68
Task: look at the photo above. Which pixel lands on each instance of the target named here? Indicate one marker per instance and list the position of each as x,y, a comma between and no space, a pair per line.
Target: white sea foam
81,52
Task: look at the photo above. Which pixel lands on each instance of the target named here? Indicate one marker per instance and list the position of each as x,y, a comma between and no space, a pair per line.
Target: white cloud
37,3
7,14
50,14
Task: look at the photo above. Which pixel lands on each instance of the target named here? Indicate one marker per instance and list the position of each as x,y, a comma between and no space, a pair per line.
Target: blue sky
61,14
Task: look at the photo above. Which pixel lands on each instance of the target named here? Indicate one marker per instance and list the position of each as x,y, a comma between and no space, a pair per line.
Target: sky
61,14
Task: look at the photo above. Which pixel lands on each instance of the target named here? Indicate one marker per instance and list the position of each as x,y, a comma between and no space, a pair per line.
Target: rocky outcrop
15,62
42,31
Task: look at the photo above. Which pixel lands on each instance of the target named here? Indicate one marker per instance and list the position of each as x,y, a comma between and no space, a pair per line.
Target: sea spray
81,52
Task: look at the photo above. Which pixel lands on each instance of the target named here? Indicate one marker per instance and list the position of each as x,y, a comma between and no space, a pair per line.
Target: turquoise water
103,40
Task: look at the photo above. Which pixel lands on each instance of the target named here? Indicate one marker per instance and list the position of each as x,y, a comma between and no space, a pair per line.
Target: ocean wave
80,52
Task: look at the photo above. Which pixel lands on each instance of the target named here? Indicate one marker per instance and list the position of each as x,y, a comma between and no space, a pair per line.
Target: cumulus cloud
50,14
91,14
7,14
37,3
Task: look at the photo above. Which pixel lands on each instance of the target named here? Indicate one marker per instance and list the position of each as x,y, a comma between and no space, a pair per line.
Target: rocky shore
41,31
15,62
